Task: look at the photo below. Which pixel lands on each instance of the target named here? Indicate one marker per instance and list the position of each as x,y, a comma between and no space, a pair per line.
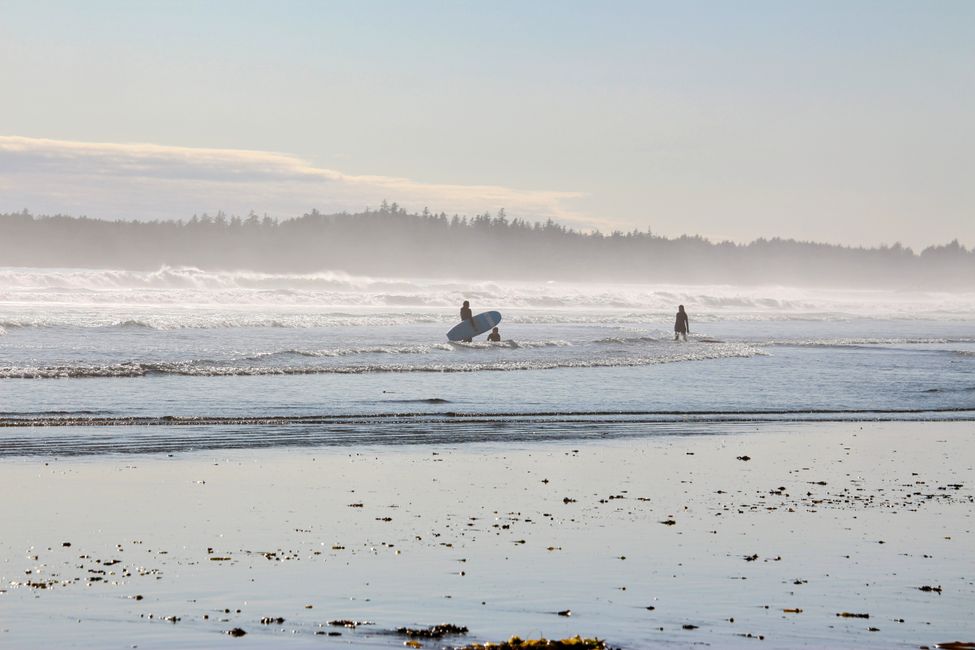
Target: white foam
338,361
869,341
185,297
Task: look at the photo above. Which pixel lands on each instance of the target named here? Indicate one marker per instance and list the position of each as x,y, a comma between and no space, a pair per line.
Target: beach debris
956,645
565,612
751,558
412,643
794,610
744,458
930,588
852,615
432,632
568,500
689,626
873,629
272,620
668,522
344,622
237,632
517,643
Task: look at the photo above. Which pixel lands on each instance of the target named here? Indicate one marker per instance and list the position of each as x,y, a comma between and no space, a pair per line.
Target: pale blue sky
844,121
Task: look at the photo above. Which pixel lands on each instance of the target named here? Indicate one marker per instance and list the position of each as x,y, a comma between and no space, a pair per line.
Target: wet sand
772,535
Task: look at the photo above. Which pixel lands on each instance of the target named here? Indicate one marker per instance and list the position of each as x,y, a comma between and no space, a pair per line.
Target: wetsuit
681,325
468,315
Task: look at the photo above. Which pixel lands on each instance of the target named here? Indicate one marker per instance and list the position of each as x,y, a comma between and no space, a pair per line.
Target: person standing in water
682,326
494,336
468,315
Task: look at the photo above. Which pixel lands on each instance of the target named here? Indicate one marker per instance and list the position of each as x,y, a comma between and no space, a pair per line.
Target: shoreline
67,436
501,536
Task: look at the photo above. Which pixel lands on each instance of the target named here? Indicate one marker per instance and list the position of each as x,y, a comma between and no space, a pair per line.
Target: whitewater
225,347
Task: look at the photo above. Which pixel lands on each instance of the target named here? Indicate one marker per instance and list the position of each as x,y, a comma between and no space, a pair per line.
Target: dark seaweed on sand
433,632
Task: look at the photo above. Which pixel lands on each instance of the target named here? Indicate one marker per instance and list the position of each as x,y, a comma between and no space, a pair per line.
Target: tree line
389,241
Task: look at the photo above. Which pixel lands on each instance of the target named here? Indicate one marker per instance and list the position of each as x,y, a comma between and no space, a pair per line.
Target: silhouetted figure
468,315
682,326
494,336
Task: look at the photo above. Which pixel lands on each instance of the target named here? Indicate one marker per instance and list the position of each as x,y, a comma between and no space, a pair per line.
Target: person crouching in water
494,336
468,315
682,326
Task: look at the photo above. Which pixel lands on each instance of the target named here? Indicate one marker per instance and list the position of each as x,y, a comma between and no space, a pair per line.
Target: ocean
110,361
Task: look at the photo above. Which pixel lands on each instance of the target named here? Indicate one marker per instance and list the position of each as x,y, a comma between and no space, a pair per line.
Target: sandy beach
774,535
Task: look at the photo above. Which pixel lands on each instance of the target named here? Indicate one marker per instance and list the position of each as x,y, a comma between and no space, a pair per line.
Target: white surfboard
482,323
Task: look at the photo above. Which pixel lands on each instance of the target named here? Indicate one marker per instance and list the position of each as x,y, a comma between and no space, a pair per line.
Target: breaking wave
347,352
226,369
406,349
870,341
330,291
624,340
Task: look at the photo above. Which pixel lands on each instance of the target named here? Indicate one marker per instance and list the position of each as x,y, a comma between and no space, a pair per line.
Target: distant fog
390,242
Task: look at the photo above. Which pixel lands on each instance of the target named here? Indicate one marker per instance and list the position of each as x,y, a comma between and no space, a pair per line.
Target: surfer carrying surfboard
682,325
468,315
471,325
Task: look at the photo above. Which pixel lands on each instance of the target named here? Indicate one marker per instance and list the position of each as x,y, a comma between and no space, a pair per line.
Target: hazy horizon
391,242
228,216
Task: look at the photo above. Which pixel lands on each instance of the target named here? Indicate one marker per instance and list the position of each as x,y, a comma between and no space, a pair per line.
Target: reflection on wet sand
836,534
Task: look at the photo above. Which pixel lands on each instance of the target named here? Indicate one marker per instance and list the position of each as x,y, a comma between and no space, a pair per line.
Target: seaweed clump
435,632
517,643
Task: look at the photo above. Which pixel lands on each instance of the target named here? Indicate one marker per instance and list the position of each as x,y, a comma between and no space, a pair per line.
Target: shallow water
231,346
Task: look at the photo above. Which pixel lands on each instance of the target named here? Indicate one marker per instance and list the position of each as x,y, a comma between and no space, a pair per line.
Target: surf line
635,417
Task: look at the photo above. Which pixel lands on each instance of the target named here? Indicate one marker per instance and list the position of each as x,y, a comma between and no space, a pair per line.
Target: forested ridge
392,242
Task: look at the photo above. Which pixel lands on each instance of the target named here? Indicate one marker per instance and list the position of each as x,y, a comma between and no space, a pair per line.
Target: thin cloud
150,181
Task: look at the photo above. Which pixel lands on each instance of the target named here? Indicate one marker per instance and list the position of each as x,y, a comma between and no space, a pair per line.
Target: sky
840,121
